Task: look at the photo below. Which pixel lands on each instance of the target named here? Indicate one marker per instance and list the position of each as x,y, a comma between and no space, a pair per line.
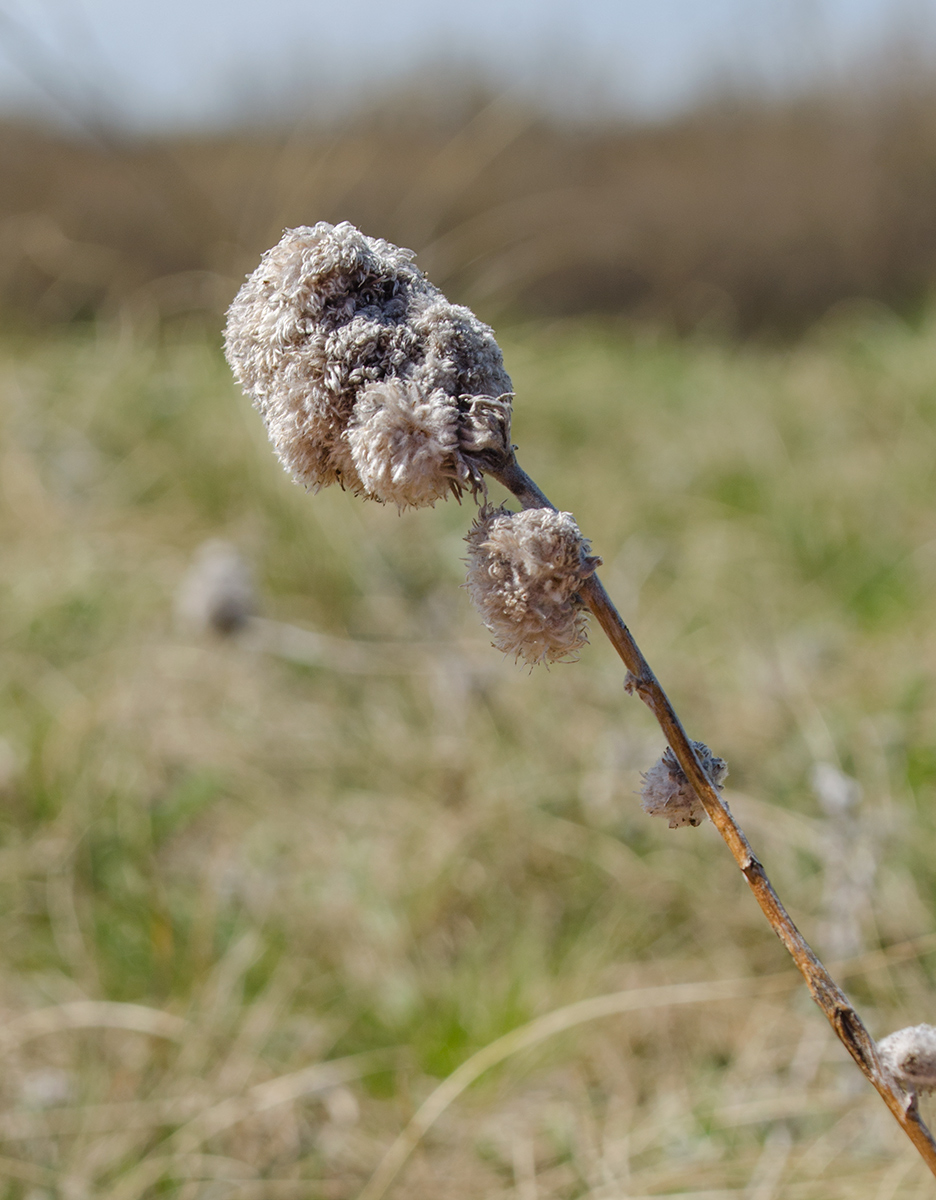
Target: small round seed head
910,1056
525,570
216,594
328,314
404,445
666,791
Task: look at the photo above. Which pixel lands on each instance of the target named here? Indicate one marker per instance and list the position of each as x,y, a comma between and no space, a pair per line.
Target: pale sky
170,63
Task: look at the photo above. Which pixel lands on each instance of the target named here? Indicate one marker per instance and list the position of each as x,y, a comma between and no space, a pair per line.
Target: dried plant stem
642,682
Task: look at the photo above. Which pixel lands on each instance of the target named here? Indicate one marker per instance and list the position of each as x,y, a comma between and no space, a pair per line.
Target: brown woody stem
642,682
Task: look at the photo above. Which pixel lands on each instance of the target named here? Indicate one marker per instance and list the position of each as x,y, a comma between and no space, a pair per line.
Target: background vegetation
743,215
259,895
414,851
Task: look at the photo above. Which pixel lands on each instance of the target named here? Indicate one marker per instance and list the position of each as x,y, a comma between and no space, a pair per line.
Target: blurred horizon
738,170
207,66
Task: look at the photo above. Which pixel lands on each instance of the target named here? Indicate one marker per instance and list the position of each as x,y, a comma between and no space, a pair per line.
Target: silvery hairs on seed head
910,1056
364,373
525,570
666,791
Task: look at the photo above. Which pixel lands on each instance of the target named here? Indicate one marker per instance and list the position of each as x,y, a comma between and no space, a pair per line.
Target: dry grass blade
708,1194
13,1168
263,1096
194,1133
94,1119
539,1030
309,648
92,1014
879,959
283,1189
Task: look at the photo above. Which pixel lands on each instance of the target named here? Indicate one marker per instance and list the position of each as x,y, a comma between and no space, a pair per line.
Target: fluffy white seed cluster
364,373
910,1056
525,570
666,791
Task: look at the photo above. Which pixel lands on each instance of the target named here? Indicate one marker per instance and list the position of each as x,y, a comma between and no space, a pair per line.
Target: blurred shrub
742,215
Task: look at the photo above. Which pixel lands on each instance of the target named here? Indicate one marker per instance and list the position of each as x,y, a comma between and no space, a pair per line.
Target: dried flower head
910,1056
216,594
332,320
525,570
666,791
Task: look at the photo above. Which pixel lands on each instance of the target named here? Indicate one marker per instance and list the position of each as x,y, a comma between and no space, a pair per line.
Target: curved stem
642,682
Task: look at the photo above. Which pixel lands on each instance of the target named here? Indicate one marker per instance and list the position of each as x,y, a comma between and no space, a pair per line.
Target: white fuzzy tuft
666,791
328,314
404,446
524,573
910,1056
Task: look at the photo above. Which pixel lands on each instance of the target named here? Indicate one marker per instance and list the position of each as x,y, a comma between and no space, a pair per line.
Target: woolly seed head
666,791
404,445
328,316
216,594
525,570
910,1056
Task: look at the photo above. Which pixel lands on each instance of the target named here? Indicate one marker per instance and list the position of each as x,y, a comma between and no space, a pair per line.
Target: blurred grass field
291,864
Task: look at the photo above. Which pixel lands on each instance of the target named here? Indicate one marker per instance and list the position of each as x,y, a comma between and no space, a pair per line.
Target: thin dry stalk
642,682
92,1014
